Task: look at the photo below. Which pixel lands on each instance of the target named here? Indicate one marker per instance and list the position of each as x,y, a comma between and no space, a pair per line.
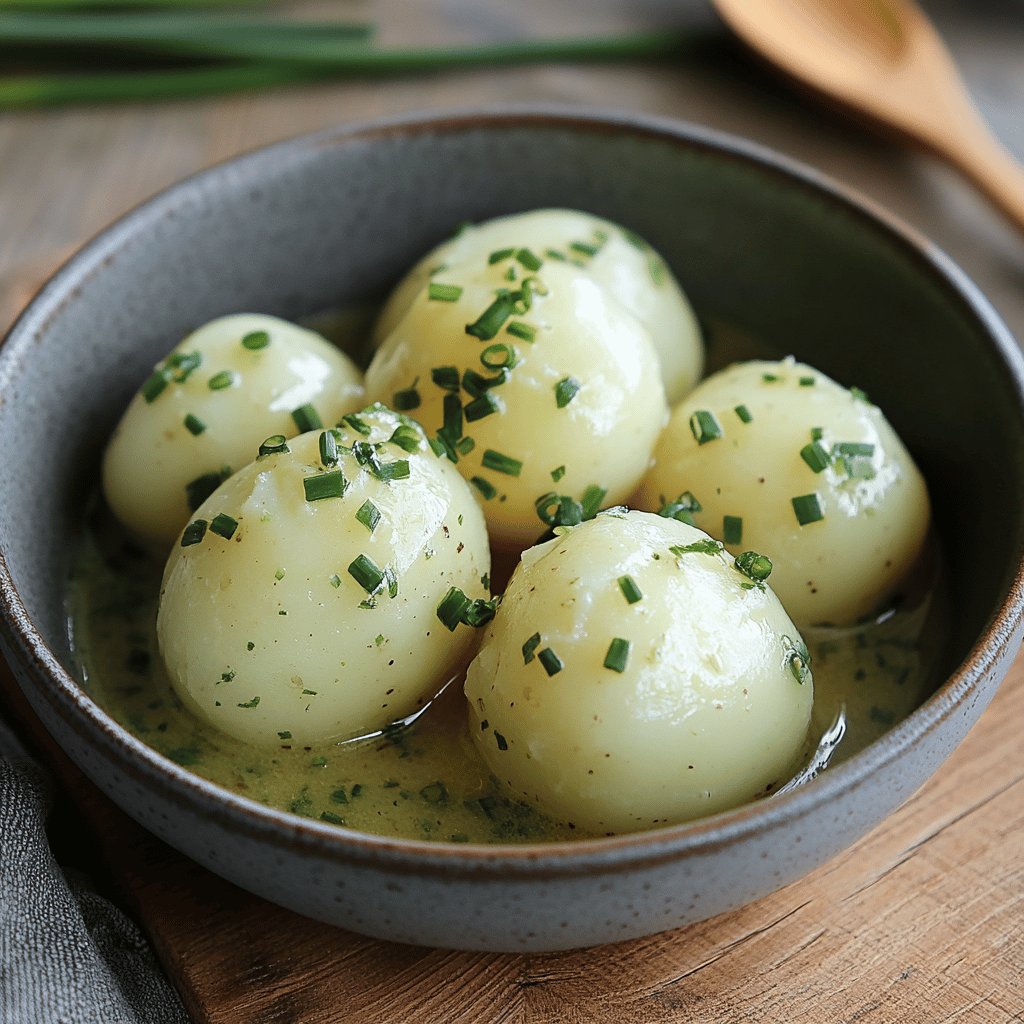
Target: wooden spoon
883,58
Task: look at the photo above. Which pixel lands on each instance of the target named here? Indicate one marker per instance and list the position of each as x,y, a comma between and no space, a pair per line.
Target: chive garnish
591,500
565,391
557,473
446,377
815,456
854,448
284,735
817,433
705,427
552,663
220,381
558,510
707,546
501,463
529,260
306,418
860,395
193,533
335,581
279,574
485,487
391,580
452,417
476,384
452,607
584,248
618,655
223,525
732,529
492,319
332,818
443,292
485,405
154,386
554,254
630,591
397,470
807,508
369,515
407,437
465,445
366,573
521,330
797,659
806,382
182,364
360,426
529,647
754,566
682,508
498,355
443,448
406,400
499,255
250,703
744,413
770,378
198,490
328,448
256,340
194,425
324,485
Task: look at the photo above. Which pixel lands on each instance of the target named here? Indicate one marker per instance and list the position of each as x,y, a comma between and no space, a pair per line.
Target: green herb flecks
630,591
437,292
707,546
682,508
324,485
565,391
306,418
500,463
255,340
618,655
705,427
732,529
367,574
223,525
754,566
193,533
194,425
552,663
807,508
369,515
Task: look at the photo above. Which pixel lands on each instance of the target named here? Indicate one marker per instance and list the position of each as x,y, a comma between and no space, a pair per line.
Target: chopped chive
324,485
552,663
480,612
857,467
328,448
591,500
682,508
584,248
369,515
511,274
406,400
285,735
223,525
499,255
815,455
446,377
860,395
630,591
557,473
705,427
279,575
618,655
698,547
854,448
250,703
817,433
492,319
807,382
797,658
182,365
407,437
501,463
732,529
558,510
193,533
360,426
529,647
498,355
274,445
154,385
366,573
442,447
465,445
335,581
554,254
529,260
198,490
391,580
397,470
330,816
453,606
194,425
475,384
565,391
256,340
770,378
807,508
220,381
518,329
443,292
452,417
307,418
754,566
485,487
744,413
483,406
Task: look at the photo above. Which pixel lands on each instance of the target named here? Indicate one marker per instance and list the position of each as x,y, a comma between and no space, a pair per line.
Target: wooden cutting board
919,923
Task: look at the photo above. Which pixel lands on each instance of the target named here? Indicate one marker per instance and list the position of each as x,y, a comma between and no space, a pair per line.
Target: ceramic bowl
336,217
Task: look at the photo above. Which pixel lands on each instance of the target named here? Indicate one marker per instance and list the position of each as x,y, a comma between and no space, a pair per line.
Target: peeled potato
621,262
811,474
288,611
562,398
207,407
634,677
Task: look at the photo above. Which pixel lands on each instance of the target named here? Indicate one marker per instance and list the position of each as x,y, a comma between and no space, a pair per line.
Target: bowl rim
68,699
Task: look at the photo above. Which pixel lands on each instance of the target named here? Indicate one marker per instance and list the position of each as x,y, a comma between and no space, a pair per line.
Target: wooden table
923,921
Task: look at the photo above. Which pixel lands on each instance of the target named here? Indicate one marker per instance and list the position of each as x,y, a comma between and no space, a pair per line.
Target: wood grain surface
922,921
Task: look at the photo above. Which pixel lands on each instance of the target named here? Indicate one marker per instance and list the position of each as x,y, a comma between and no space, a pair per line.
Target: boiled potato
290,610
619,261
782,459
209,404
634,677
561,398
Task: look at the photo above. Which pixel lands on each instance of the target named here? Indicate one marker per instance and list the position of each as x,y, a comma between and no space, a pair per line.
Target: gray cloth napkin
67,955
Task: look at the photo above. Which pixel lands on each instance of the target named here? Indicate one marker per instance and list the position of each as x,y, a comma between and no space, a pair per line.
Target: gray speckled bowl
327,219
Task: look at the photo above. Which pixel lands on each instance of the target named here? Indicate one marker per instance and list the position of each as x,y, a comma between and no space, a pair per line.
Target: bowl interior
332,220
